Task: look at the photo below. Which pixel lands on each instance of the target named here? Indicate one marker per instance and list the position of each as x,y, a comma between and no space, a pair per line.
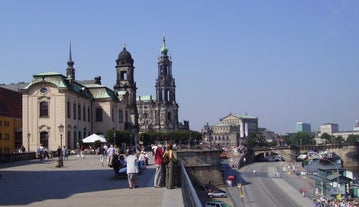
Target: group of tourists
43,153
106,153
332,202
165,160
135,159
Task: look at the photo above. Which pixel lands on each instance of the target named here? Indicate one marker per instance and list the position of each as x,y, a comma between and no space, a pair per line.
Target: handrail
189,194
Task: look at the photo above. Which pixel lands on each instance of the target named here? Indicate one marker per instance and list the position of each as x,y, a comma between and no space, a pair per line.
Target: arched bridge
348,153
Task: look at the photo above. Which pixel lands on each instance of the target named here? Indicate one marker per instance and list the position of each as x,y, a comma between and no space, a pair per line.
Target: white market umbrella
93,138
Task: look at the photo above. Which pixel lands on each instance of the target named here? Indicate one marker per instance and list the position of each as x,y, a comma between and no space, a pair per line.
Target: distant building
345,134
356,127
271,136
231,131
328,128
15,86
333,130
10,120
303,127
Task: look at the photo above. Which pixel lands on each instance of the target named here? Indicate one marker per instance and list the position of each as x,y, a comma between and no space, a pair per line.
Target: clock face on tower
44,90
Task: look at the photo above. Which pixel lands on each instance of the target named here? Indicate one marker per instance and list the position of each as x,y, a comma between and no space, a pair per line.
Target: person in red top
158,163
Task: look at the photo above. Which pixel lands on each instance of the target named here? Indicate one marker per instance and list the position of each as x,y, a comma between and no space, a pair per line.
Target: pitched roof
88,89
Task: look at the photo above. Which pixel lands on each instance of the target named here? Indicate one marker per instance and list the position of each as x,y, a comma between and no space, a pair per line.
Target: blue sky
282,61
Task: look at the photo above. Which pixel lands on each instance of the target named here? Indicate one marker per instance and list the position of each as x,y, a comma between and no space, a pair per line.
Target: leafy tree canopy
301,138
352,139
123,136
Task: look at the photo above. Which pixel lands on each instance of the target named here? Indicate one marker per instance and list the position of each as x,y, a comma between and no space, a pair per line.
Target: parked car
217,194
278,158
301,157
208,187
215,204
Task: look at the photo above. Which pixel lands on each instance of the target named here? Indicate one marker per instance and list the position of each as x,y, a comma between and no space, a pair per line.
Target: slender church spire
70,71
164,49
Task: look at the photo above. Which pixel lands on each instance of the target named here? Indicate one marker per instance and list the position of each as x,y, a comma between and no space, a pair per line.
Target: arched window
44,109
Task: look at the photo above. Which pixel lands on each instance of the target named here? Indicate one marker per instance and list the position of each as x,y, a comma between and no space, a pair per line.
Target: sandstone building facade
51,100
231,131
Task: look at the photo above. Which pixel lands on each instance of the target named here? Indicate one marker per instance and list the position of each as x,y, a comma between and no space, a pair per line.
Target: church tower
126,86
70,71
167,109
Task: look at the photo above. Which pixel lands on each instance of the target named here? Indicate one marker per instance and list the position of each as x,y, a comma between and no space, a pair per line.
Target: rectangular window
79,111
84,113
88,114
75,113
112,114
44,109
68,109
120,116
68,135
75,135
98,114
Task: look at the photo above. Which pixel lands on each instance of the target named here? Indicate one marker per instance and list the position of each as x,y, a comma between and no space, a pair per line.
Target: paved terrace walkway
81,182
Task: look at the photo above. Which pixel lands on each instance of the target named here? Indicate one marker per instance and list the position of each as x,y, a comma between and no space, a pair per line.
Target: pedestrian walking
40,152
59,152
132,169
101,153
82,153
110,153
65,154
158,153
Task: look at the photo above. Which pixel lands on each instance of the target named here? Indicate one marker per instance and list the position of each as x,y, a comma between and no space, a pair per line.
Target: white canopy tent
93,138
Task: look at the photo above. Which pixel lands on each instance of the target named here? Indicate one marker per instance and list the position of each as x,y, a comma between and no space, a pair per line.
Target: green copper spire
164,49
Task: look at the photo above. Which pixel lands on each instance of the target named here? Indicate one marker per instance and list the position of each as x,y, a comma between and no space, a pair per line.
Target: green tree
96,144
327,137
352,139
287,139
256,140
120,137
302,138
339,140
175,136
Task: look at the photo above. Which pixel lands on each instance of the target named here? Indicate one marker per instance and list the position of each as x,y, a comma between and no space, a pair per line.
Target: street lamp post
28,141
61,131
